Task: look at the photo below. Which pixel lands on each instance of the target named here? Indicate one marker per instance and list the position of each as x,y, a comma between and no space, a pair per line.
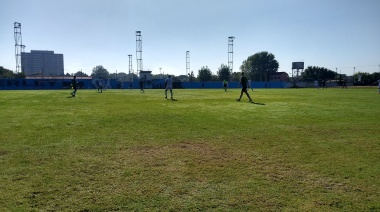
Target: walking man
169,86
344,84
378,81
243,82
141,83
225,85
74,86
100,85
316,84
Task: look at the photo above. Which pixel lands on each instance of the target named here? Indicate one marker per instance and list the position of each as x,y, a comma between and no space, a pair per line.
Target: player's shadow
257,103
70,96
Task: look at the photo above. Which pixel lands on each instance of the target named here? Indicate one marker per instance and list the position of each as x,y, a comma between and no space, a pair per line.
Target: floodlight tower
187,62
231,53
139,52
130,68
18,45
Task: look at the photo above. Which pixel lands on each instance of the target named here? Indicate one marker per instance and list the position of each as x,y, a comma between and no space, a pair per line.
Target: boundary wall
55,84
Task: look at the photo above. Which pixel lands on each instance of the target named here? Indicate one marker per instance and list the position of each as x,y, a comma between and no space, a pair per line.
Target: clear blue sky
333,34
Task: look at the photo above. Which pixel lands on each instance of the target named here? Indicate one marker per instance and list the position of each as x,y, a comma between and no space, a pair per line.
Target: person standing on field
225,85
100,84
169,86
74,86
249,84
141,84
316,84
243,82
378,81
344,84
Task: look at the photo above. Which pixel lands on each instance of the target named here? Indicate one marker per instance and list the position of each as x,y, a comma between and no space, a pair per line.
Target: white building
42,63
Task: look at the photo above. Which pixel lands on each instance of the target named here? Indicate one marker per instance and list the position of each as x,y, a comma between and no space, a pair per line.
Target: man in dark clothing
74,86
141,83
244,84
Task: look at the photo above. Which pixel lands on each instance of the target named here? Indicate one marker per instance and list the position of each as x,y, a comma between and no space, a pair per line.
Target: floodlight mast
19,48
187,62
139,52
231,53
130,68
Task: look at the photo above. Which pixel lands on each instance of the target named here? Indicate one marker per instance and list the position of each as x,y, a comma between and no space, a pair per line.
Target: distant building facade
42,63
279,77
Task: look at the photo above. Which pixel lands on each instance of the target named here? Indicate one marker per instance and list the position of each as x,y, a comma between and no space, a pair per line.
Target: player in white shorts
316,84
378,81
169,86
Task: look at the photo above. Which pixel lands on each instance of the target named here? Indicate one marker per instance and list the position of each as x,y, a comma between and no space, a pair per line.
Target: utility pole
231,53
130,68
139,52
187,62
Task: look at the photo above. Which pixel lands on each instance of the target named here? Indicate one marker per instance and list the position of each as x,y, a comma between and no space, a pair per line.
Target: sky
341,35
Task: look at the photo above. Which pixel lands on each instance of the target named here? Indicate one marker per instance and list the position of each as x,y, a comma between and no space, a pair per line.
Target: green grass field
293,150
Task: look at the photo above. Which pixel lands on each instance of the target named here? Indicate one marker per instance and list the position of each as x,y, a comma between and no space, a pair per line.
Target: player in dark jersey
141,83
169,86
244,84
74,86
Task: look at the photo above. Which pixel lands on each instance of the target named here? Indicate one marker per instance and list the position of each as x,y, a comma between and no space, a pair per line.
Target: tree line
258,67
8,74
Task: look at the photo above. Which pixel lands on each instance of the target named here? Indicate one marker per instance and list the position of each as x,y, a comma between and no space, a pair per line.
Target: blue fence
51,84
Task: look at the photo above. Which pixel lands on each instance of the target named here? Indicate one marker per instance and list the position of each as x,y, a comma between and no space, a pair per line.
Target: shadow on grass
257,103
70,96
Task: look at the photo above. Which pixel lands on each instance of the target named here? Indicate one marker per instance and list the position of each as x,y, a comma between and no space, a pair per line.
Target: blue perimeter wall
46,84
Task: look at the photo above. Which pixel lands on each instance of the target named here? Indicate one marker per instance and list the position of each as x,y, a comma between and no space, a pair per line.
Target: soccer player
225,85
344,84
249,84
74,86
100,85
243,82
169,86
141,83
378,81
316,84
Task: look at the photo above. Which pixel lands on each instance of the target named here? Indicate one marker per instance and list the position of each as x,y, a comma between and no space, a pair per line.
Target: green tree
214,77
100,71
5,73
317,73
9,74
375,76
122,76
204,74
366,78
260,66
20,75
235,76
191,76
224,72
80,74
